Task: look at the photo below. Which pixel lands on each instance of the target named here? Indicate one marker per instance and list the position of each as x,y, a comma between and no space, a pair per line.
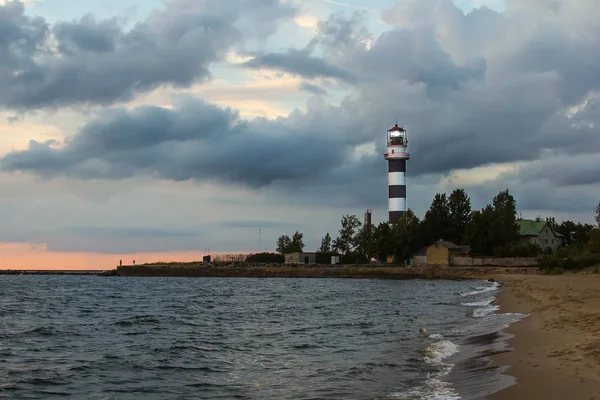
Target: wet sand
556,349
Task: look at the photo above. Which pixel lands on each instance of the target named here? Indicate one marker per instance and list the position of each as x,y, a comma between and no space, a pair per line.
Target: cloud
516,90
311,88
458,115
298,63
99,62
196,140
255,224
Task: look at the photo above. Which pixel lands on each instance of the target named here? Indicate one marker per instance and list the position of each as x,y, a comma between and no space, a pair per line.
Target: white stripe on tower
397,204
396,178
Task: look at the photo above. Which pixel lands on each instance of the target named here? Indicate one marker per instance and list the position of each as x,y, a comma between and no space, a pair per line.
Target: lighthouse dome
397,128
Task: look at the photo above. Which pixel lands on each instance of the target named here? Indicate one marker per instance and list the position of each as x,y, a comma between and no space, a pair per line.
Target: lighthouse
396,157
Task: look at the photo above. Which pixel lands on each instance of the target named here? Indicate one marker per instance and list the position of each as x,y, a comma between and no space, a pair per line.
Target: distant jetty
275,270
57,272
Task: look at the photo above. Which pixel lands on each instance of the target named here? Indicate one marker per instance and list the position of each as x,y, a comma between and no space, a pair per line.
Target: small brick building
439,252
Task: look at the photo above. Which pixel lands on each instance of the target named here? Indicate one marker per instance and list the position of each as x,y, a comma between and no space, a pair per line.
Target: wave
436,352
433,387
482,312
482,289
481,303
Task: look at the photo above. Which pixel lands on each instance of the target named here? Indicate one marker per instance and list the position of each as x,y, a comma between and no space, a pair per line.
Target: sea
90,337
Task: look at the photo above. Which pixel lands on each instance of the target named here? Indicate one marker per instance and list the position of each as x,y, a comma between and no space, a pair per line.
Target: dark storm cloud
298,63
108,240
99,62
196,141
87,35
467,87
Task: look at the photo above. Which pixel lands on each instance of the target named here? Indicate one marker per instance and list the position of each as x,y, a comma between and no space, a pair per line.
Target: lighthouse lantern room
397,143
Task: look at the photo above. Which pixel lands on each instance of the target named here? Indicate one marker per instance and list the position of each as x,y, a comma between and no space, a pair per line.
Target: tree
286,245
593,243
597,216
573,234
459,213
366,243
383,241
325,244
406,236
504,227
478,230
283,244
493,229
436,223
348,234
297,243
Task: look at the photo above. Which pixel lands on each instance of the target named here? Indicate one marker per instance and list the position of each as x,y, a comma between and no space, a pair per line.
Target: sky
156,130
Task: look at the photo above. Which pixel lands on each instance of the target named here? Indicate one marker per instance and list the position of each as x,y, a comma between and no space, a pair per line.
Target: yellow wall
437,255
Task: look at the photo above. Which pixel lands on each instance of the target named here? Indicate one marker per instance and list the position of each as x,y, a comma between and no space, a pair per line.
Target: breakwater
56,272
269,270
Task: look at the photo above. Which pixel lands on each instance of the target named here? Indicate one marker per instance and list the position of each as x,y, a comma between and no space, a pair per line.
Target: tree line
490,231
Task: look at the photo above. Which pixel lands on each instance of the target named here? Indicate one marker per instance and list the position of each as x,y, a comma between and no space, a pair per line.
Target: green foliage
568,262
459,209
325,244
436,223
285,244
506,229
383,241
365,244
597,216
266,258
517,249
573,234
406,233
574,257
494,229
348,234
593,243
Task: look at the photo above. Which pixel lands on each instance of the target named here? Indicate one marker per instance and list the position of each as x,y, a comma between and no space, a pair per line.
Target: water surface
228,338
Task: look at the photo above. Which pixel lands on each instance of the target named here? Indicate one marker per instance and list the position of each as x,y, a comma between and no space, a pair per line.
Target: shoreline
278,270
553,352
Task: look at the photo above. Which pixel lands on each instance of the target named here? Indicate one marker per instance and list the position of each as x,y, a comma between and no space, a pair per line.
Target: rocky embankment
56,272
266,270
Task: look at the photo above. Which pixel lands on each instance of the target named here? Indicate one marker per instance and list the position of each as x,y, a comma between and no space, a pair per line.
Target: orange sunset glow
24,256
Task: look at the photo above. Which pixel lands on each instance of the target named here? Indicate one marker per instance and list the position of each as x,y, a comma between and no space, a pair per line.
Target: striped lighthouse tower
396,156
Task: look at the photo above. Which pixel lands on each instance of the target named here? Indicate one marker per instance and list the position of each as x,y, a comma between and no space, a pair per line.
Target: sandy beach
556,349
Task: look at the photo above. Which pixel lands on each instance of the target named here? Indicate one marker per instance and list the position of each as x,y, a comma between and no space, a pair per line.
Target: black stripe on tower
396,165
397,191
395,216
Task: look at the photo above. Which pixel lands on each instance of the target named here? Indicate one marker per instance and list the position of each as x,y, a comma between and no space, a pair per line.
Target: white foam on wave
482,289
437,351
482,312
482,303
434,388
